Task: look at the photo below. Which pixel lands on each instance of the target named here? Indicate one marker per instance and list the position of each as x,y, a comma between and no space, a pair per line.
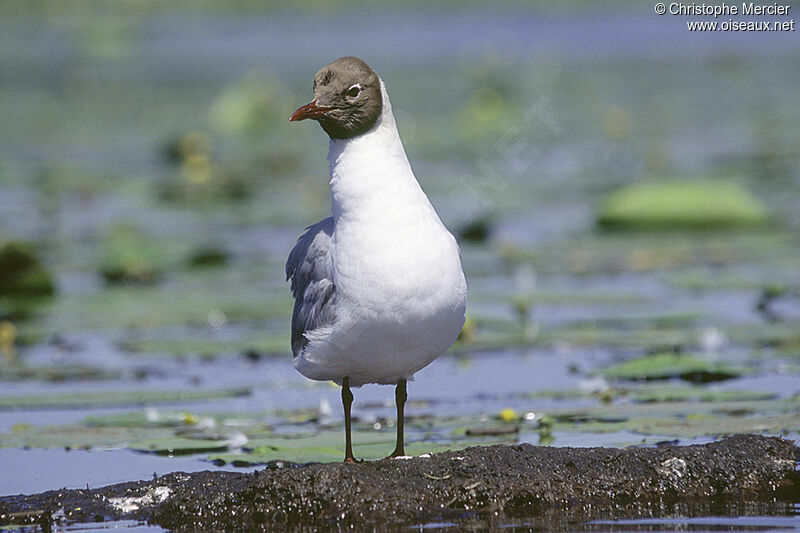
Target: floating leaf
130,257
21,273
666,393
180,445
114,398
682,205
149,418
684,419
77,437
695,425
653,393
669,365
208,256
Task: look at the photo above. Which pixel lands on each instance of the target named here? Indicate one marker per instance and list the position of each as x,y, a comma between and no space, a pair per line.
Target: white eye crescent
354,90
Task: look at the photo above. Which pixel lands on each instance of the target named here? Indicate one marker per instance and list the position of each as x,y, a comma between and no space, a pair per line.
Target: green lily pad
78,400
671,365
77,437
667,393
684,418
682,205
655,393
180,445
208,256
130,257
644,336
21,273
626,411
696,425
151,418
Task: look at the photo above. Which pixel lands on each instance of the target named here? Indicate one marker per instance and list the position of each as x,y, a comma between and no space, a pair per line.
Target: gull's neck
370,173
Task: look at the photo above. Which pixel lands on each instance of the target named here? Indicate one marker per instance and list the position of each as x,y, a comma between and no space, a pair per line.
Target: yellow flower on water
508,415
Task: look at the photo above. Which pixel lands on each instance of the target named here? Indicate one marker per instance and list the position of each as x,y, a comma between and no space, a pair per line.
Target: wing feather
310,269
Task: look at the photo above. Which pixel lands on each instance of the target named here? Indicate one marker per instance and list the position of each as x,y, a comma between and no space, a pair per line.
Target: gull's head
347,98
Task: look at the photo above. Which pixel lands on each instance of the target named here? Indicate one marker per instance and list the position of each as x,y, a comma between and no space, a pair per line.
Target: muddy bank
561,485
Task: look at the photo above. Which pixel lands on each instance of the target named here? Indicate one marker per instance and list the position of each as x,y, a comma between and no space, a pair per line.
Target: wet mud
560,488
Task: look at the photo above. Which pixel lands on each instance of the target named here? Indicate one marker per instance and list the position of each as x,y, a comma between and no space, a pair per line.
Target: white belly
400,303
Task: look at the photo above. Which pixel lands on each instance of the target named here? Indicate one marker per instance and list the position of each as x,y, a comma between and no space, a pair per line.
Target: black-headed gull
379,289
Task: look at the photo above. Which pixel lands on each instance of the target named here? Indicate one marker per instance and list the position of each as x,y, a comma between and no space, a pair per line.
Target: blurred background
626,194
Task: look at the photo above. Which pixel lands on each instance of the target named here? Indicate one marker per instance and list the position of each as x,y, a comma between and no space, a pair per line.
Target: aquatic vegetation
695,425
251,105
114,398
476,230
657,392
22,275
76,436
177,445
182,147
202,182
668,365
681,205
129,257
208,256
672,393
684,419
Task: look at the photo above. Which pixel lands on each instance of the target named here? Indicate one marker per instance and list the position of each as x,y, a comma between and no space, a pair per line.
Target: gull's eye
354,91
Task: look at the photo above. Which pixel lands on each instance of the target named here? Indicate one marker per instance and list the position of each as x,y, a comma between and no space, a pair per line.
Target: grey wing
310,268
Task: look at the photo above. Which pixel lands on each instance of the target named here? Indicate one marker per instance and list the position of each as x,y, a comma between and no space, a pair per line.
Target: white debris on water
713,340
325,411
674,468
151,497
237,440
